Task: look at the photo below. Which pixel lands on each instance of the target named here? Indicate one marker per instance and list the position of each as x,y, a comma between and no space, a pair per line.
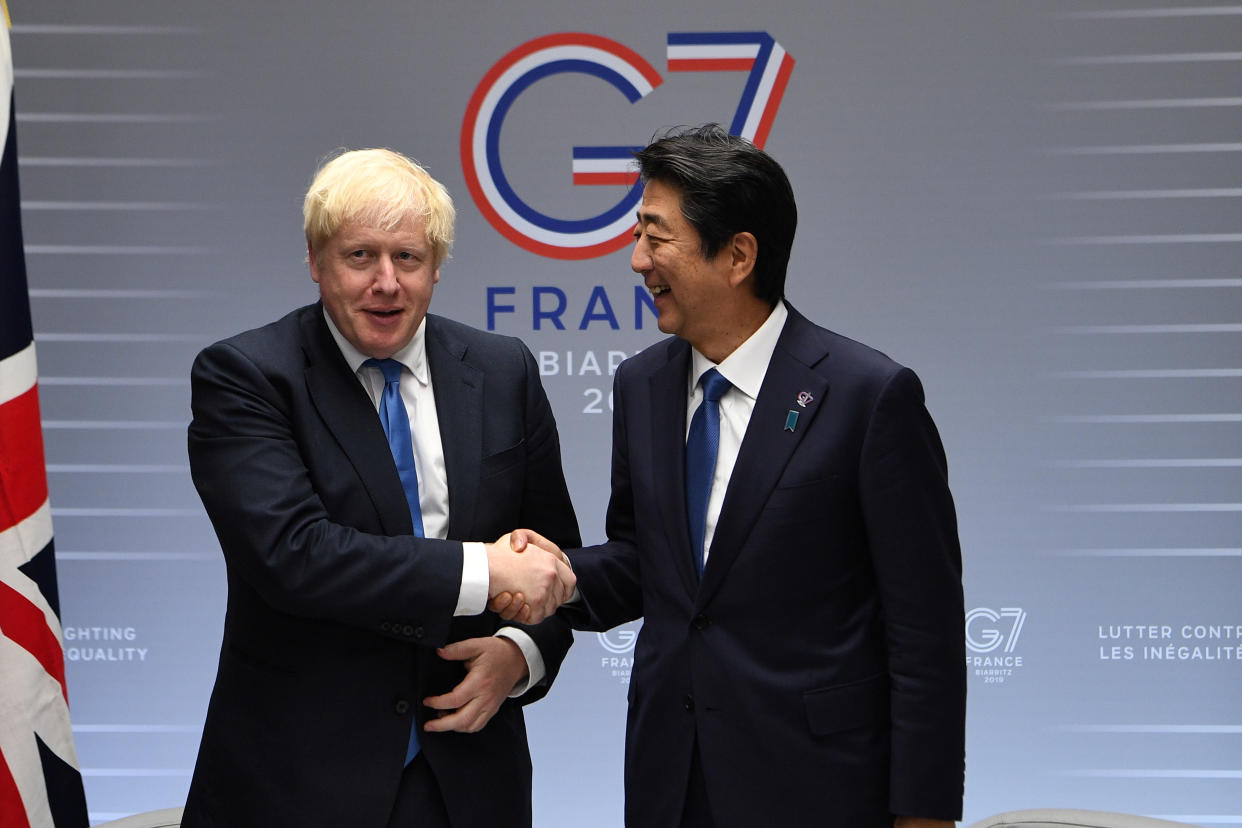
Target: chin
378,349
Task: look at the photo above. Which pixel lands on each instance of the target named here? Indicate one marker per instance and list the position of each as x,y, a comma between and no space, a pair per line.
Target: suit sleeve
912,531
609,575
548,509
246,459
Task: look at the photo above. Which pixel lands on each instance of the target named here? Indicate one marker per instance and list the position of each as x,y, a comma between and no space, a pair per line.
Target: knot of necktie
390,368
714,385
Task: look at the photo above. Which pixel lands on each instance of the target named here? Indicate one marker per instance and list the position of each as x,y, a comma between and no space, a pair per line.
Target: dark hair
728,186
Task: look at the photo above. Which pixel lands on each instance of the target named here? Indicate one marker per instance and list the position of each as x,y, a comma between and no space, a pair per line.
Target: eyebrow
651,218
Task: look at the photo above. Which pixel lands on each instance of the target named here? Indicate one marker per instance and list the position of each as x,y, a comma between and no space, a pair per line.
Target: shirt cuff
472,599
534,659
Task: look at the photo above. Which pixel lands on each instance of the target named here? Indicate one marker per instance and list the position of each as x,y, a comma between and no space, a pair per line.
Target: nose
385,276
640,259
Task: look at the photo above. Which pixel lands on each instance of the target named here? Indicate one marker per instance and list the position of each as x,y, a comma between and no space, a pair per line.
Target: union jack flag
40,784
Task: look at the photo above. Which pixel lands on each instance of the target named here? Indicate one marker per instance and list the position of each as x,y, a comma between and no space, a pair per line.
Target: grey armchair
1067,818
164,818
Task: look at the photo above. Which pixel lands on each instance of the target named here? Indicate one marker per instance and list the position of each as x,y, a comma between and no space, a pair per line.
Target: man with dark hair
721,197
781,519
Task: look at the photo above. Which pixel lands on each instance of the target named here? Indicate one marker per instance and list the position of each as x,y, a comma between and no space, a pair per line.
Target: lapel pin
804,397
791,420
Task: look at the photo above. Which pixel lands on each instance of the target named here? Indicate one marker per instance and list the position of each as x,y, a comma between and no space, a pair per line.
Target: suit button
401,707
687,702
418,633
700,622
385,626
407,630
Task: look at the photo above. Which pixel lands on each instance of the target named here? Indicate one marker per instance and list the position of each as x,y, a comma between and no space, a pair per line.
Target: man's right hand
532,572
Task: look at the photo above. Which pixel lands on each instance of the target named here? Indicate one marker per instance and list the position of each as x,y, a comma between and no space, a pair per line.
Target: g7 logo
618,641
988,638
768,67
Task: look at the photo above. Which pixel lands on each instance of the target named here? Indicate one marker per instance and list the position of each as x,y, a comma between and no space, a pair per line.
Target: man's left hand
494,666
919,822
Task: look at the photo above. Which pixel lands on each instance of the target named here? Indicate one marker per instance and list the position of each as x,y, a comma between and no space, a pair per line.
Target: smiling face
690,291
376,285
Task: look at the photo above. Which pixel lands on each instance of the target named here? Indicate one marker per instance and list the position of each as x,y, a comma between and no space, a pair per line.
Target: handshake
528,577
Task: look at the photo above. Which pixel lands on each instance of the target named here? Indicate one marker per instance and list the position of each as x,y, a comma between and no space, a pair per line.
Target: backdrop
1033,204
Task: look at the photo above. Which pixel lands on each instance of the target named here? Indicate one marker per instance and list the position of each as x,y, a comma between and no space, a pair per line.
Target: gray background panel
1034,205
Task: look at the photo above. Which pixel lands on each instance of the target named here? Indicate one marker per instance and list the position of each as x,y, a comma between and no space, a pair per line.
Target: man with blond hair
355,457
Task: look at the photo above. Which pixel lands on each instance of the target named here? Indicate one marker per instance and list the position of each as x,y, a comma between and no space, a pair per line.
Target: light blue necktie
397,430
702,445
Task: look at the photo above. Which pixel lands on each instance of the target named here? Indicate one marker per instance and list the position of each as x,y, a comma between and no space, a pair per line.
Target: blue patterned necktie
397,430
400,443
702,445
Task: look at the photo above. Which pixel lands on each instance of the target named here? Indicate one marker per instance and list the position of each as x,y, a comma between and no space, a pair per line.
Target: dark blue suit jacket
820,662
334,608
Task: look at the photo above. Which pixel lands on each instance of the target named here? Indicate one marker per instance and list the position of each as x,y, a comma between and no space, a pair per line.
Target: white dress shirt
745,369
433,496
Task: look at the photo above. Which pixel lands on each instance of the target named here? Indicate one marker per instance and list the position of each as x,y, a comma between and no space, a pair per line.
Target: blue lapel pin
791,420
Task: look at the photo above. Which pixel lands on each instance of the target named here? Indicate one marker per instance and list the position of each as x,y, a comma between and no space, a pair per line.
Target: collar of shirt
413,356
747,365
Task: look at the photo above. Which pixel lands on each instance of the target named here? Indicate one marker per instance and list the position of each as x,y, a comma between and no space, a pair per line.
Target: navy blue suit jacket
820,662
334,608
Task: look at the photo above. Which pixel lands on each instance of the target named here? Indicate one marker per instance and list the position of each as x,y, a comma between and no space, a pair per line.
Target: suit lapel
768,444
458,390
668,430
350,417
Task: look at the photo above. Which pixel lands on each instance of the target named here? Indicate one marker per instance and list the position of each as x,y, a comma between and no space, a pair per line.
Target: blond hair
377,188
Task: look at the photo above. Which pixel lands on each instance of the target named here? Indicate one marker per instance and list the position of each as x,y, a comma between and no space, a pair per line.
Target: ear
744,251
435,277
310,257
